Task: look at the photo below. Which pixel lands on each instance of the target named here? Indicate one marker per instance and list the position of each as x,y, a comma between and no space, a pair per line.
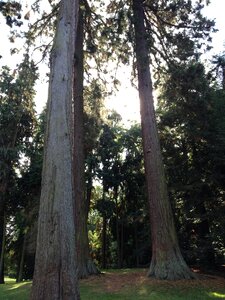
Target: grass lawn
132,285
14,291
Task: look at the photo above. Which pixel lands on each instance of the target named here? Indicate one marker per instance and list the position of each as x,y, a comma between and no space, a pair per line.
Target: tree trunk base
170,270
2,281
88,269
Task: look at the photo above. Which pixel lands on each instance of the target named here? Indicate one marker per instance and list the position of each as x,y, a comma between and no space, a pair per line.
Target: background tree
191,138
123,238
167,261
108,152
134,214
16,125
27,194
90,24
170,32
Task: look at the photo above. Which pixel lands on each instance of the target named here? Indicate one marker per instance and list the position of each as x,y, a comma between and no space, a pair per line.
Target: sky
125,101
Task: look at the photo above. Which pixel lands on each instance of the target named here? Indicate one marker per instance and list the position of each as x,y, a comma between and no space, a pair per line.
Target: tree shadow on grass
135,285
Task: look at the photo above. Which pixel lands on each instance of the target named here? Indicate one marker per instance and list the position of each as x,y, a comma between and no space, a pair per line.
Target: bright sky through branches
125,101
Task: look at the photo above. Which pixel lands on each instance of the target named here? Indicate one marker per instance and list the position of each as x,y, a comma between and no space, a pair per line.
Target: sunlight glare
217,295
18,285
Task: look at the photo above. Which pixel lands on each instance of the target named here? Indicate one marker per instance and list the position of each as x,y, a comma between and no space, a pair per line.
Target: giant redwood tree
55,275
167,261
165,32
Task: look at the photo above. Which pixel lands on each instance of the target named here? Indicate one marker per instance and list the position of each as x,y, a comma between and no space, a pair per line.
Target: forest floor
133,284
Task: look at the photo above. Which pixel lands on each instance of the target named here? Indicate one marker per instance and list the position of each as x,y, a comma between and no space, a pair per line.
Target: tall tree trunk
136,243
104,228
55,275
21,266
202,229
89,185
122,217
2,241
86,266
223,77
167,261
117,229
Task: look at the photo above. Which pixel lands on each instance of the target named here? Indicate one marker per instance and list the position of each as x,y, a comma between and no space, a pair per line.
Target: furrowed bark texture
167,261
55,276
86,266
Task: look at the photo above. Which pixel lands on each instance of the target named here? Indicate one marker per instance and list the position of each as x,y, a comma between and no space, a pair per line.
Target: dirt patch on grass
118,281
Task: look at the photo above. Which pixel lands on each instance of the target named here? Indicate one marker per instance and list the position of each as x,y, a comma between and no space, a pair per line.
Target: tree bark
117,229
55,275
223,77
21,266
86,266
122,241
203,232
2,241
104,228
136,243
89,185
167,261
202,228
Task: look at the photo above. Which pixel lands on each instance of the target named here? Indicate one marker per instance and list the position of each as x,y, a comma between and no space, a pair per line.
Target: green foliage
93,116
192,136
120,198
26,196
176,31
11,10
17,123
16,114
219,68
